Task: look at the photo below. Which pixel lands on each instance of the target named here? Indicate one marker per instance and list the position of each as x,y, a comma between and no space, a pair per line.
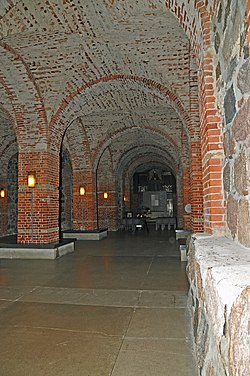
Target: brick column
196,188
212,152
38,207
107,208
84,207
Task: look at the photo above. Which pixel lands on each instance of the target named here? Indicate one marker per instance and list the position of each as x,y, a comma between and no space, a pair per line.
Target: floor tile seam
176,292
147,273
16,299
179,339
45,328
121,344
102,290
165,352
88,304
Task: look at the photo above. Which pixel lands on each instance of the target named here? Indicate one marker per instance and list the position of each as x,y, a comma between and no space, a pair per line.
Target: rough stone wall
219,300
233,85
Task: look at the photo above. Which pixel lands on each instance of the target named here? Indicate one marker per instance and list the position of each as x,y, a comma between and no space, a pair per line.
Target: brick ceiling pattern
65,45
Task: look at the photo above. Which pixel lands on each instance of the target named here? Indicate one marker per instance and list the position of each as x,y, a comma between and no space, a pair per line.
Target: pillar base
36,251
97,234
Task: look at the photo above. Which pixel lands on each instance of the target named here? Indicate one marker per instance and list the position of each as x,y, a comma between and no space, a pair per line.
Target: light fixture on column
106,196
31,184
82,191
31,179
2,193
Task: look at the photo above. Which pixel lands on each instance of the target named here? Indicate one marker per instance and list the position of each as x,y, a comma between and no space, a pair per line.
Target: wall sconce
125,198
105,195
2,193
31,179
82,191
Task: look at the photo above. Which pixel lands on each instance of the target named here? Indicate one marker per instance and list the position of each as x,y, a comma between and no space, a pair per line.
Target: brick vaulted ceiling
66,44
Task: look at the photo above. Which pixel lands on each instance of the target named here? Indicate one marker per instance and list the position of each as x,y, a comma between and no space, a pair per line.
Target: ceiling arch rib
132,160
135,138
80,104
77,143
24,95
82,42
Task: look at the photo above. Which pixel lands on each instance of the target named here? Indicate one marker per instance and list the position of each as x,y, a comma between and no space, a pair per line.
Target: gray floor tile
163,299
102,320
40,352
112,308
158,323
147,357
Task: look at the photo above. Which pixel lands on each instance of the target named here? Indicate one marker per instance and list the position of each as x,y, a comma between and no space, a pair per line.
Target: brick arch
11,121
67,109
198,29
112,136
160,152
77,157
188,14
26,95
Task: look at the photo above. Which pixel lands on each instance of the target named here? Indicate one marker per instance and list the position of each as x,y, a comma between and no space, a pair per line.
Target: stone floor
116,307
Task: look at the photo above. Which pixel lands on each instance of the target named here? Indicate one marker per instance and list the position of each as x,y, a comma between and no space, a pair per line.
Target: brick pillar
107,208
212,152
38,207
84,207
197,223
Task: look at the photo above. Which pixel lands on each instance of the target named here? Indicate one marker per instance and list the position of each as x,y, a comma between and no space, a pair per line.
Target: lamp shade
2,193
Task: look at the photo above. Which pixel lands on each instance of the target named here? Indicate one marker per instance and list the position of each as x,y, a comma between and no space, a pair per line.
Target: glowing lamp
105,195
2,193
31,179
82,191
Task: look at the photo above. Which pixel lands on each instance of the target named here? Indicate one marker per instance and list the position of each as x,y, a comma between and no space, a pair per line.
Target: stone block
240,174
232,217
241,124
229,105
229,144
239,344
227,177
243,79
221,313
244,223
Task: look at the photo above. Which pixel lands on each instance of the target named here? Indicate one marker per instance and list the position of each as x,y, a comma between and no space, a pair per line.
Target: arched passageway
96,96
